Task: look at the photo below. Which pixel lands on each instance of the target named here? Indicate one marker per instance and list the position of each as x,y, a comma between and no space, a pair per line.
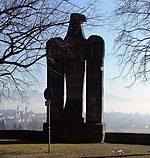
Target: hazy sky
135,99
117,96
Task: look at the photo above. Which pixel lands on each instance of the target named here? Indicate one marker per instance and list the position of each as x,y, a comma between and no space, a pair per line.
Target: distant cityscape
21,120
127,122
11,119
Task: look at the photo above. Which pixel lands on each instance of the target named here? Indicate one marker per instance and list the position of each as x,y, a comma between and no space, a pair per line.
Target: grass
75,150
22,149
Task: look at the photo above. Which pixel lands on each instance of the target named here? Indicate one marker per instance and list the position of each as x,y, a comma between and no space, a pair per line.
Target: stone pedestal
86,133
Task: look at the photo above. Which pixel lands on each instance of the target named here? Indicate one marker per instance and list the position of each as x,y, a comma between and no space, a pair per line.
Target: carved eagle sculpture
68,56
75,43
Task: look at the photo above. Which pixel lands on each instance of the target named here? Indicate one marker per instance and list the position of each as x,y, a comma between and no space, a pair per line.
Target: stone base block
94,133
87,133
72,135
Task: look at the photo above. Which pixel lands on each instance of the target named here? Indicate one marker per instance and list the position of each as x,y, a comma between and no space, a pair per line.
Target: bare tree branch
25,26
133,41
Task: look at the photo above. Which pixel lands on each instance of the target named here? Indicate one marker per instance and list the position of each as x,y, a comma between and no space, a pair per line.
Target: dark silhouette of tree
133,41
2,124
25,26
20,127
14,125
34,124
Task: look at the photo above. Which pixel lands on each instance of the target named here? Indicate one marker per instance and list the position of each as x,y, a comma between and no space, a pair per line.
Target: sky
117,97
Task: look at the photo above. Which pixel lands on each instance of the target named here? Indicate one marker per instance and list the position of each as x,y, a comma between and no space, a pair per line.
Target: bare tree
133,41
25,26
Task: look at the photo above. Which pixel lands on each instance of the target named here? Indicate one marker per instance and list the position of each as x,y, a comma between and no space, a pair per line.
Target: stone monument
66,60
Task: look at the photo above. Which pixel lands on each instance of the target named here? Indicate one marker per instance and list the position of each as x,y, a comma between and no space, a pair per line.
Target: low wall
26,135
128,138
42,137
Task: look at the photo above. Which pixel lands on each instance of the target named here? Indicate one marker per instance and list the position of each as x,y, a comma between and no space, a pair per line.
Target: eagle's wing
55,55
96,51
